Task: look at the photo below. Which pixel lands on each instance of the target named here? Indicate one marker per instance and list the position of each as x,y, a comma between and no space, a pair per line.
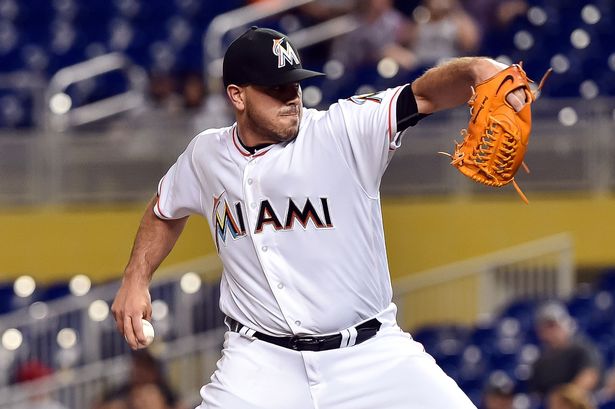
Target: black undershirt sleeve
407,110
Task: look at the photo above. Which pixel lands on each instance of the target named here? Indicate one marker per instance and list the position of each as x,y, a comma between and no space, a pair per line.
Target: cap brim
297,75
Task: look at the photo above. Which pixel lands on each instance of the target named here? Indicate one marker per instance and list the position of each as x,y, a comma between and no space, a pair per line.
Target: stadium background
81,151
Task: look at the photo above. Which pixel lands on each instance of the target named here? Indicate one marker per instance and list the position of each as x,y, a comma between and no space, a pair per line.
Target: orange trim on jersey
158,200
243,150
160,211
390,119
240,148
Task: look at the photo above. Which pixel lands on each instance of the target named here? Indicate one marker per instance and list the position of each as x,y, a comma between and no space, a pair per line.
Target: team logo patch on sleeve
362,99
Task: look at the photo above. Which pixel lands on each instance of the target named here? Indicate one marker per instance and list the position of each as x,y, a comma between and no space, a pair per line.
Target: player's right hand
132,302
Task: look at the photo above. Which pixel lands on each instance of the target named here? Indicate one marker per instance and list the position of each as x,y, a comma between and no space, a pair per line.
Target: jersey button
298,323
253,205
280,286
250,181
264,248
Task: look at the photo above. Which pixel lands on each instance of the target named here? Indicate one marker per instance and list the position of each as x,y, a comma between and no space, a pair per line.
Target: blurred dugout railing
78,330
60,109
190,329
189,362
478,288
216,36
571,149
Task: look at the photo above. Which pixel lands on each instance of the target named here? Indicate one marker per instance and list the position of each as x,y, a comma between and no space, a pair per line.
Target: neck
249,137
252,149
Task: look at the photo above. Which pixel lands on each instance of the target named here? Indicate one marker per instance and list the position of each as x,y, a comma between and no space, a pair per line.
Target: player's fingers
138,330
521,94
119,323
148,312
517,99
129,333
118,316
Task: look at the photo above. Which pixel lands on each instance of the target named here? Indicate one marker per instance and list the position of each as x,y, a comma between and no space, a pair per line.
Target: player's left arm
589,373
450,84
587,379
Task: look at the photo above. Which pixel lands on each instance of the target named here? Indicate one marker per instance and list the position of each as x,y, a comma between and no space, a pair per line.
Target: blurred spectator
569,396
498,392
322,10
495,14
566,357
146,378
163,91
312,14
193,91
174,92
147,370
381,29
112,403
442,30
147,396
33,371
606,394
494,17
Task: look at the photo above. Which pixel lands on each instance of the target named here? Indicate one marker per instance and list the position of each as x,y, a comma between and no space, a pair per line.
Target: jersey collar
243,151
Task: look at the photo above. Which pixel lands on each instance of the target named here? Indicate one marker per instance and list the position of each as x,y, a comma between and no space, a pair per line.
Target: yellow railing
463,292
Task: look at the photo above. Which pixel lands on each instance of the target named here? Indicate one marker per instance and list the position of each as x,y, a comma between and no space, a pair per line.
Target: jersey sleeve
179,191
365,129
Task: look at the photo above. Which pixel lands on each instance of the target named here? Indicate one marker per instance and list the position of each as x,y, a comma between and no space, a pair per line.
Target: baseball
148,331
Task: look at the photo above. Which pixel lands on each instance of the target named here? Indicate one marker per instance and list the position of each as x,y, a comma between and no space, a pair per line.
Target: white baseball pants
388,371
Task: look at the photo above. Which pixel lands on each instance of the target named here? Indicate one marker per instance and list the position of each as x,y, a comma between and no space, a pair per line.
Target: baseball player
292,198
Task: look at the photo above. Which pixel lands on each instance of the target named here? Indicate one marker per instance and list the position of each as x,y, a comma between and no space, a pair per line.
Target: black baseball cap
265,57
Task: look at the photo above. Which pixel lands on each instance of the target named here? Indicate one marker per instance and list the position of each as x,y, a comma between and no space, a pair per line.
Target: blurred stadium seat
43,36
509,343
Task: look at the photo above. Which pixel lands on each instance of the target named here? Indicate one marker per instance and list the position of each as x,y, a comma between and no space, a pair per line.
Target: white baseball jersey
297,225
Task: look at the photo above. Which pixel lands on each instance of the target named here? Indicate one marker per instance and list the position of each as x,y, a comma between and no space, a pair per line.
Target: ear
237,96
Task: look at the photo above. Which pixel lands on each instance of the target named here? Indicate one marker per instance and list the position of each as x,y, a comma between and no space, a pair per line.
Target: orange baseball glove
495,142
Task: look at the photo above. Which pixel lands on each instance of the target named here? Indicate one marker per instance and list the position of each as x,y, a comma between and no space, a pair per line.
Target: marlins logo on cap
284,53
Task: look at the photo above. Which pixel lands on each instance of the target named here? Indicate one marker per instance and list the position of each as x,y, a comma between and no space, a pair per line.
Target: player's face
552,333
275,112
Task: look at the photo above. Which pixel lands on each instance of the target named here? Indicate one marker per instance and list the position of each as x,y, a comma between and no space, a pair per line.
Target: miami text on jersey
226,218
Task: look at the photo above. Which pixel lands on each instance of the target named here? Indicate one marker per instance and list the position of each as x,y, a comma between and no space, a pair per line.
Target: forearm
449,85
587,379
154,241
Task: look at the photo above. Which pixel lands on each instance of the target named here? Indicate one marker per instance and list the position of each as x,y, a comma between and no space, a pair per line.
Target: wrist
136,278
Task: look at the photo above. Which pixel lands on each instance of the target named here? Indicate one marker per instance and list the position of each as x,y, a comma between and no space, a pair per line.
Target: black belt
352,336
